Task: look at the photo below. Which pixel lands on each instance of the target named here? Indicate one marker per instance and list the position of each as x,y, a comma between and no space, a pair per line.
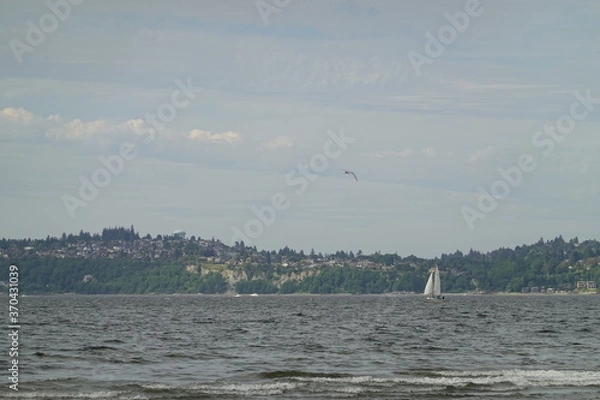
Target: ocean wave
230,389
515,378
266,389
528,378
298,374
41,395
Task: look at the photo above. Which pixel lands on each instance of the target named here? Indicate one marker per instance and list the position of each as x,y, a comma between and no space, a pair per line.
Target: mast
437,285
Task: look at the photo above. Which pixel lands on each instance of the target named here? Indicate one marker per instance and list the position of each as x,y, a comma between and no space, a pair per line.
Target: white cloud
429,152
280,142
135,126
404,153
17,115
26,123
21,123
479,155
78,129
207,137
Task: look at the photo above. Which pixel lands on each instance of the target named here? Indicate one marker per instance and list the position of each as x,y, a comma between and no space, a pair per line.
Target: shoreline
236,295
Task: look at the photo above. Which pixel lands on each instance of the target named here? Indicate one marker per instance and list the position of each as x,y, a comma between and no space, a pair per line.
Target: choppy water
309,347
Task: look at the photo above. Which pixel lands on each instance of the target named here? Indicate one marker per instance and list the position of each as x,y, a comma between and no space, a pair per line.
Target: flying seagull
350,173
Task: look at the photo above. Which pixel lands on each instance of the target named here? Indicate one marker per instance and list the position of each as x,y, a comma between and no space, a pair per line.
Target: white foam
351,390
350,379
92,395
157,386
518,378
267,389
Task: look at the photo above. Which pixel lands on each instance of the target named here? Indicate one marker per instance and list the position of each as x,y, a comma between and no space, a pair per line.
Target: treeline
119,233
555,263
108,234
41,275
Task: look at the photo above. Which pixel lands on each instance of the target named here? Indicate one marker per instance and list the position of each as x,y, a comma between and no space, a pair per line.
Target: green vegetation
119,261
112,276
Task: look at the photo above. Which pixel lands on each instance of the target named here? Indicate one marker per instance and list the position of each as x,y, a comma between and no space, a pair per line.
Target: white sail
429,286
437,285
433,288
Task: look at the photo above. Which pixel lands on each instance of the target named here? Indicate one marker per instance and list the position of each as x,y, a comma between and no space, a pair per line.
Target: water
309,347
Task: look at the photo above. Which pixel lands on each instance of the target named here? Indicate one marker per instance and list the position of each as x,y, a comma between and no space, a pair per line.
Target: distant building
581,284
525,289
591,285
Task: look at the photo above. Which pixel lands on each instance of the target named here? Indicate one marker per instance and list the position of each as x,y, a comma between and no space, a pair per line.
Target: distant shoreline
235,295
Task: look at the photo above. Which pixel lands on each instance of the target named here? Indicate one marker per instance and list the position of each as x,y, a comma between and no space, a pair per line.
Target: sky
469,124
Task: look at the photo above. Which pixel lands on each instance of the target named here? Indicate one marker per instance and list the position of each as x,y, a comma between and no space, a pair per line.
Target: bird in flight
350,173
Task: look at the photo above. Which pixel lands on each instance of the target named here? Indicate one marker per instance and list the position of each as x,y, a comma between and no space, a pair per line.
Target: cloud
17,115
23,123
78,129
479,155
19,123
135,126
429,152
404,153
280,142
207,137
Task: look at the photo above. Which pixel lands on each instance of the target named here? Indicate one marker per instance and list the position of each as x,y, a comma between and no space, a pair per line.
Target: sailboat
433,288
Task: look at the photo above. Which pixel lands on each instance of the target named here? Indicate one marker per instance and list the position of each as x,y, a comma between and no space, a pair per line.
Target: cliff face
233,276
294,277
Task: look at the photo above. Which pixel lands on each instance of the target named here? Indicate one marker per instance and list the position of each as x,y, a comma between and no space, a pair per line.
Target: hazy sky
188,114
